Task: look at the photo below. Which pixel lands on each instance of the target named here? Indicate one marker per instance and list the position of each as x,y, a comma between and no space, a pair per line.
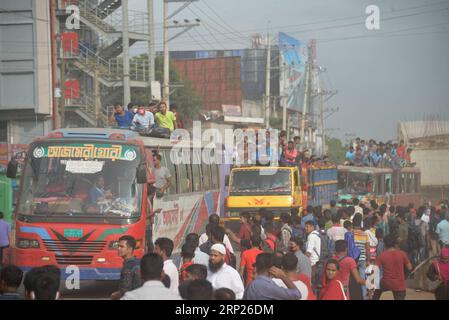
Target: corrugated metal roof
421,129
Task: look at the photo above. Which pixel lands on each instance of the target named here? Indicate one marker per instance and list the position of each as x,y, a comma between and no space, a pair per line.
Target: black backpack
414,239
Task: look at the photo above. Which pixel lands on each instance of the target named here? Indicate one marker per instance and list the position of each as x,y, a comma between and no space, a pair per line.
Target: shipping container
216,80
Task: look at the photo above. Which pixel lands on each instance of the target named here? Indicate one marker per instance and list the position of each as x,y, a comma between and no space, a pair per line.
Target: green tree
188,102
335,150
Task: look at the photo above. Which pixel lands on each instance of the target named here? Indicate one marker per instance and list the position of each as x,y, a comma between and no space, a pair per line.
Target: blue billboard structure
293,58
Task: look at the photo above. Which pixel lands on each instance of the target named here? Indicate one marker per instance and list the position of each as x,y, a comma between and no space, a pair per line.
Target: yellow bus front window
256,182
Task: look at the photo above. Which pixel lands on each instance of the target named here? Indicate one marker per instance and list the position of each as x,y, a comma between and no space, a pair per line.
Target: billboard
293,58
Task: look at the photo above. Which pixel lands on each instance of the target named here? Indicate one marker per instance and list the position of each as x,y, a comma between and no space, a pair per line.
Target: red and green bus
58,219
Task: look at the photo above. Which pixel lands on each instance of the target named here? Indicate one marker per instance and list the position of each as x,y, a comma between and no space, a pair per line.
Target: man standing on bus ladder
162,176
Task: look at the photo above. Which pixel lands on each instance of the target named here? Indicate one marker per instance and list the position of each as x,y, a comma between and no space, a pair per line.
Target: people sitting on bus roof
122,117
380,155
165,118
143,120
290,154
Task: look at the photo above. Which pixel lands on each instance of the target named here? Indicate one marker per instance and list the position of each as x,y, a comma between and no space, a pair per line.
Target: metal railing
109,20
110,70
86,104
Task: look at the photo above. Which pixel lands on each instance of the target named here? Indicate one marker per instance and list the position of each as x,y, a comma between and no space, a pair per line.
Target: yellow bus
277,189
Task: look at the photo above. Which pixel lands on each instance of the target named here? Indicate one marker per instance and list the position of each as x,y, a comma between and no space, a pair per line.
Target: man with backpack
402,232
362,242
348,269
286,232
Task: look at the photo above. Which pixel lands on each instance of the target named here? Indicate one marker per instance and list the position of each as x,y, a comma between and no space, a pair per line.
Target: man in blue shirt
308,217
264,288
121,117
443,227
350,155
98,192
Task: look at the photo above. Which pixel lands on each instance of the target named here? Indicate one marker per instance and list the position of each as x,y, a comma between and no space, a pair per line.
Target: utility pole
306,100
165,87
267,83
151,50
125,45
187,26
97,99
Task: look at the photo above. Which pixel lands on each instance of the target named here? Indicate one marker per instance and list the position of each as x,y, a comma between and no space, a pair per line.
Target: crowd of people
378,154
353,252
143,117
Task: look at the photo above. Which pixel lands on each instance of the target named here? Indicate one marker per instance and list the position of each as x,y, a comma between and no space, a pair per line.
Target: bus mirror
141,173
11,172
227,181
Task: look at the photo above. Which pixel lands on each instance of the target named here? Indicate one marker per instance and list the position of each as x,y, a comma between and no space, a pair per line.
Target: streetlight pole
166,88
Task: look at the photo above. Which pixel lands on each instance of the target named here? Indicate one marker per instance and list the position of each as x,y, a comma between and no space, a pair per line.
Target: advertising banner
293,58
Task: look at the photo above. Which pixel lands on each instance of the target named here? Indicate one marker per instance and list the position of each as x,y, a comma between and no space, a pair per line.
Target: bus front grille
74,259
74,246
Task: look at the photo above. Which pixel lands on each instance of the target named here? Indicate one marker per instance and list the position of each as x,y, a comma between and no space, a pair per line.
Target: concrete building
429,141
26,100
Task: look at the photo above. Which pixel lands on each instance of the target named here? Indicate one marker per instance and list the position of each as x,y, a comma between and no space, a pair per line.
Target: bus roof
372,170
262,168
108,134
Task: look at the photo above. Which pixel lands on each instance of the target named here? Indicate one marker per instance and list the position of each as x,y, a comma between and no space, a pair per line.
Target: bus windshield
81,179
355,182
247,182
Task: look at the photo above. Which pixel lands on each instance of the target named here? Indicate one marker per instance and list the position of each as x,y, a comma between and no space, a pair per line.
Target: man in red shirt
392,261
348,266
245,229
249,259
400,151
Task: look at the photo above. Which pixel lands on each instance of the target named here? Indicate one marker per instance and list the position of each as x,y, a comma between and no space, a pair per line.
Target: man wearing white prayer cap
222,275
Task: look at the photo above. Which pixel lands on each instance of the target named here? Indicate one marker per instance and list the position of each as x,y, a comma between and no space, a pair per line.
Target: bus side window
166,162
388,183
214,168
296,179
205,170
196,170
184,178
149,160
196,180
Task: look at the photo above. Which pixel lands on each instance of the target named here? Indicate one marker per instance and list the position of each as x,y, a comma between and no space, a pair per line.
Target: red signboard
216,80
69,41
72,89
3,154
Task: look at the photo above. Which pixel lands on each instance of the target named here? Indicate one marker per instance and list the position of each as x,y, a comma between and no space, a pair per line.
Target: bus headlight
27,244
113,245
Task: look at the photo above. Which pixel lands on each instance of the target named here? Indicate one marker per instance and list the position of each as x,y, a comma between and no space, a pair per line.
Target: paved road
100,290
91,290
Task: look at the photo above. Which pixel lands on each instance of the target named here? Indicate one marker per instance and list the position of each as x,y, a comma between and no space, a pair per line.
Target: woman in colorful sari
332,287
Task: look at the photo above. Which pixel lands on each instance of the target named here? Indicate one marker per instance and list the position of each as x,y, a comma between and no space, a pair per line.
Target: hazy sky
400,72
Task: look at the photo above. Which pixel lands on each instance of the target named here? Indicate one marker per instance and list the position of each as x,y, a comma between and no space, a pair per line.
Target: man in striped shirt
362,242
